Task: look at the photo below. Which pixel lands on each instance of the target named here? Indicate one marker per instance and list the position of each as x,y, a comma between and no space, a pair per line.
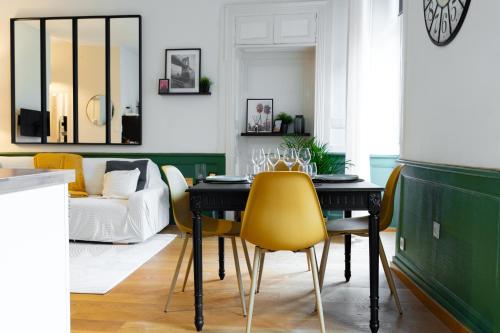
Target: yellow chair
359,226
281,166
210,228
283,214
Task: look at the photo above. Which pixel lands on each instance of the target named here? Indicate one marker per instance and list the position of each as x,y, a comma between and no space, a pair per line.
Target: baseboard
441,313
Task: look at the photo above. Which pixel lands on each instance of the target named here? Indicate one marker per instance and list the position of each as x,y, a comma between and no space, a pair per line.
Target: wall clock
444,18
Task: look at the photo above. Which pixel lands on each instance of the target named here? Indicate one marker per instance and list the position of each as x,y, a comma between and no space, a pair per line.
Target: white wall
452,93
170,123
340,19
288,78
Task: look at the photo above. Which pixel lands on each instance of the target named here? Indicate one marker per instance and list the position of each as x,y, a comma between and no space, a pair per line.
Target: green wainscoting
461,269
216,163
381,167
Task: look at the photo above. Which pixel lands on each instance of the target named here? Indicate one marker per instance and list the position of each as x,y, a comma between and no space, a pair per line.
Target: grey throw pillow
142,165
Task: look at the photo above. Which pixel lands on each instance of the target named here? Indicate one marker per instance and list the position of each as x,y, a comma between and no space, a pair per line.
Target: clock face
443,19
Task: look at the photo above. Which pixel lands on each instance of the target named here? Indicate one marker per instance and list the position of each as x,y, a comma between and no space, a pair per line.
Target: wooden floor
285,303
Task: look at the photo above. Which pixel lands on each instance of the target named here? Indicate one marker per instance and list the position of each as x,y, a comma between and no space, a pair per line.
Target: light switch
436,227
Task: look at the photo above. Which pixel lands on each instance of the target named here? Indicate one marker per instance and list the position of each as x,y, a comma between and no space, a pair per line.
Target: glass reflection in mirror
124,39
59,72
91,76
96,110
27,84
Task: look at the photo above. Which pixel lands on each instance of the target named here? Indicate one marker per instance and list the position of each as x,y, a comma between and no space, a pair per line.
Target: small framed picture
277,126
182,68
260,115
163,86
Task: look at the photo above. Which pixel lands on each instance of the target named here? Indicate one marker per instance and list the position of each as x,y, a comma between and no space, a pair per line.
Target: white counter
34,260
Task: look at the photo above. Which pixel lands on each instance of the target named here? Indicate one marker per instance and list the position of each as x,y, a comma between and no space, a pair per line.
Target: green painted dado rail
216,163
461,269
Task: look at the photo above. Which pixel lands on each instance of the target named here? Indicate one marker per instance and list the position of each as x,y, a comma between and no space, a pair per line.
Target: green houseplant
205,84
286,120
326,161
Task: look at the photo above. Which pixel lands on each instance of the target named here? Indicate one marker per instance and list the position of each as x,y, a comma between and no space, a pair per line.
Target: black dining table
347,197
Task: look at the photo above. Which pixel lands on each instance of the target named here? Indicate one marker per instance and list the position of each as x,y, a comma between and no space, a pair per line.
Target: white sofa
97,219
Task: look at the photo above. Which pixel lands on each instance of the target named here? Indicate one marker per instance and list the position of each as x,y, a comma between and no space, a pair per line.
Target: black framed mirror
76,80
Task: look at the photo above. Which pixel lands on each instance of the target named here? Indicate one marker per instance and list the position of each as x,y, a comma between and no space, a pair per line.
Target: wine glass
252,170
313,170
258,156
274,157
304,168
290,157
304,156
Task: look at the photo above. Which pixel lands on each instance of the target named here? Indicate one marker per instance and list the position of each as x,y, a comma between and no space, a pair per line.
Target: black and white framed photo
182,68
260,115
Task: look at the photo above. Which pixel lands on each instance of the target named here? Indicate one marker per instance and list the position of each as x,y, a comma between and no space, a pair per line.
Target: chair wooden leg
308,262
261,268
319,304
176,274
247,257
188,269
256,260
324,259
238,275
389,277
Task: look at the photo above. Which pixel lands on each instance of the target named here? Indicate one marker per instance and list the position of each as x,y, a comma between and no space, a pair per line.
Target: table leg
222,272
198,271
373,233
347,250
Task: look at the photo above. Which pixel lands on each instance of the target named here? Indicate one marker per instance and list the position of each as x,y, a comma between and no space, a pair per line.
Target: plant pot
204,89
284,128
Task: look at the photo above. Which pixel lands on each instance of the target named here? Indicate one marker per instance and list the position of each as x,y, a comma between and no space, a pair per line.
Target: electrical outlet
436,228
401,243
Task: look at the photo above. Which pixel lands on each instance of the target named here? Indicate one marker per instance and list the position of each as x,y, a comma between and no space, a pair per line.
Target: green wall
380,169
216,163
461,269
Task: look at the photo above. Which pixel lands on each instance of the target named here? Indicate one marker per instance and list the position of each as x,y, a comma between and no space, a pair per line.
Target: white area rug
97,268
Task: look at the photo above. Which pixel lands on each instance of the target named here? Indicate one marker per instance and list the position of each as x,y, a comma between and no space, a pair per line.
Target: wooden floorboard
285,303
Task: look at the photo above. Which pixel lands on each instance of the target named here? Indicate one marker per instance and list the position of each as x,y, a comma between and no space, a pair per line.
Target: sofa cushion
16,162
64,161
94,168
98,219
142,165
120,184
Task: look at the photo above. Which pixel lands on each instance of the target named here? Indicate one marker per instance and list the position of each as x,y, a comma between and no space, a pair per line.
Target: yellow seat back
281,166
179,198
283,212
387,207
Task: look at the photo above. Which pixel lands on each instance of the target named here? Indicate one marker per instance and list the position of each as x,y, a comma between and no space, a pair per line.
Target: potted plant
326,162
205,84
286,119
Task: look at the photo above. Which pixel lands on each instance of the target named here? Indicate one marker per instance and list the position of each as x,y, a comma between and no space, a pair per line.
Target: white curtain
373,82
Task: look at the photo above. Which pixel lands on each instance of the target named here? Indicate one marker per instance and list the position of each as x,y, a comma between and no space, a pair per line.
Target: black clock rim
457,30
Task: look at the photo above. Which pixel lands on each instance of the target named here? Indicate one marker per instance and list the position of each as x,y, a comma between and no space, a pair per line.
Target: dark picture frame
259,117
74,88
163,86
184,76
